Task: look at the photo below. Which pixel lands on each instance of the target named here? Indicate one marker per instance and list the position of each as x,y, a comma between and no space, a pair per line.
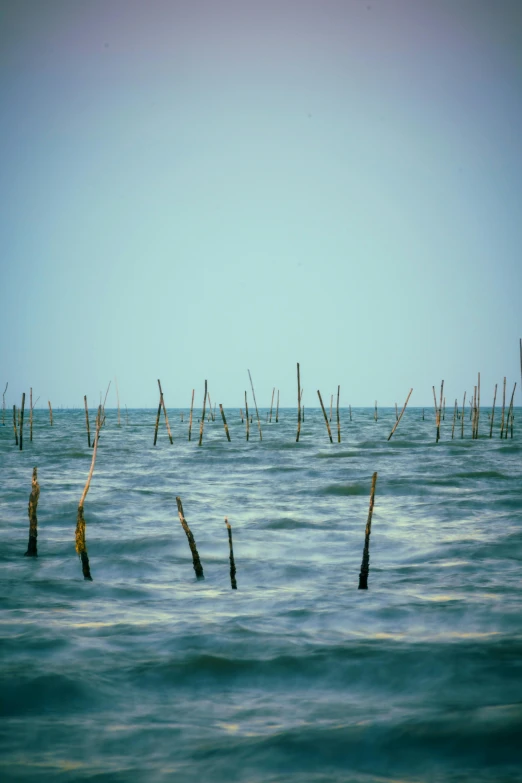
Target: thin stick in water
162,401
87,420
503,410
190,417
493,412
50,412
454,420
255,403
225,425
463,416
325,416
22,420
196,562
247,418
233,582
14,425
298,403
202,422
3,404
271,405
81,546
400,417
365,565
33,522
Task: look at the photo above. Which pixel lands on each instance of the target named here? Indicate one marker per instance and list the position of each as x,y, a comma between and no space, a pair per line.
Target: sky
192,189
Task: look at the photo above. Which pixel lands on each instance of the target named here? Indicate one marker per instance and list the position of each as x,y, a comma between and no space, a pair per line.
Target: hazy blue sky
194,188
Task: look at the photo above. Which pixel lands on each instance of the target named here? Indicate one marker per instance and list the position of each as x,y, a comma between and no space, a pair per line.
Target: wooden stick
298,403
463,416
444,409
325,416
31,414
350,407
22,420
474,413
247,418
196,562
400,417
492,412
162,401
233,582
190,417
3,404
331,406
437,415
338,416
503,410
157,423
255,403
271,405
81,547
277,409
33,522
87,420
375,415
510,413
14,425
365,565
50,412
224,421
202,422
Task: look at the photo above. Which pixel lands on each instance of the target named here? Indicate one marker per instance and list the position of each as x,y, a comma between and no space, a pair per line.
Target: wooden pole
325,416
247,418
33,522
375,415
162,401
50,412
87,420
331,406
14,425
365,565
202,422
277,408
400,417
224,421
503,410
492,412
298,403
233,582
437,415
474,412
81,547
157,423
3,404
190,417
255,403
271,405
463,416
22,420
196,562
510,413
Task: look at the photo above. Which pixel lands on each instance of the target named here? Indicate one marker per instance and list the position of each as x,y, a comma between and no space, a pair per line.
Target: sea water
148,674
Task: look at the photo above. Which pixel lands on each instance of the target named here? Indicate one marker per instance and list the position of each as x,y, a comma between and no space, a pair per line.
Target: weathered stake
190,417
162,401
33,522
493,412
255,403
277,408
365,565
271,405
202,422
198,568
22,420
298,403
247,418
225,425
50,412
325,416
400,417
463,416
503,410
233,582
87,420
81,547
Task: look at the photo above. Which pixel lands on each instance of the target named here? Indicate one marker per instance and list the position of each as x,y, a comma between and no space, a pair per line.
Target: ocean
147,674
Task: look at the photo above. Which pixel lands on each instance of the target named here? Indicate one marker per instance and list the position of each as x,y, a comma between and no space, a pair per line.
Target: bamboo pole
247,418
463,416
454,419
375,415
224,421
437,415
22,420
400,417
50,412
81,546
3,404
444,409
474,413
14,425
87,420
196,562
325,416
503,410
365,565
492,412
157,423
162,401
271,405
510,413
33,522
298,403
338,416
277,408
331,406
202,422
255,403
190,416
233,582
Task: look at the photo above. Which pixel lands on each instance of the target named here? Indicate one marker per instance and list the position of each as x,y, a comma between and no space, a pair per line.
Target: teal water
148,674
